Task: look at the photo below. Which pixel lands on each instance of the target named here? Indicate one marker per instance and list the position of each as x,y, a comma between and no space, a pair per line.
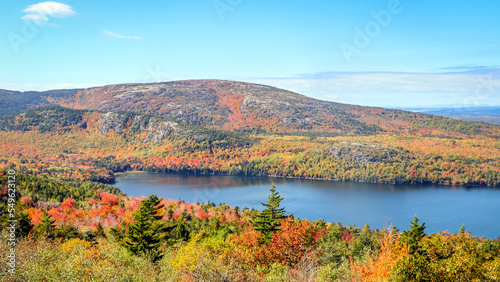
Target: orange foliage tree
381,267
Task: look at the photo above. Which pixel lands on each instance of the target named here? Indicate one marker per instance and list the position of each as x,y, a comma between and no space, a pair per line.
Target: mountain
245,107
236,128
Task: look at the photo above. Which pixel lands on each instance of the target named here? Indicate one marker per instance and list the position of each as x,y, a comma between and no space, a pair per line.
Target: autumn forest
71,224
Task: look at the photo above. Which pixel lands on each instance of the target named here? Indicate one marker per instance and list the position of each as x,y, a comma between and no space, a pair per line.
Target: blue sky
381,53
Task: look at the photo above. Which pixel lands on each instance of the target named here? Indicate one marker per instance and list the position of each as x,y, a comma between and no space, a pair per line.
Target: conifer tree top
269,220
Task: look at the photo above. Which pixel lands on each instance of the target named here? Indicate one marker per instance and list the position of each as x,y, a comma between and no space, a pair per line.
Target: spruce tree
413,236
67,232
269,220
462,229
89,236
24,225
180,231
145,234
418,260
47,225
100,231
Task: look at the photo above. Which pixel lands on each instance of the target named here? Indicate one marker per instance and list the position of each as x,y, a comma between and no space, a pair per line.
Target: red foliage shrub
108,198
68,204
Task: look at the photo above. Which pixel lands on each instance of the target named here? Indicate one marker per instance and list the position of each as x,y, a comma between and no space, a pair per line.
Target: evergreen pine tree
24,225
46,225
418,260
116,233
269,220
67,232
100,231
145,234
413,236
89,236
462,229
180,232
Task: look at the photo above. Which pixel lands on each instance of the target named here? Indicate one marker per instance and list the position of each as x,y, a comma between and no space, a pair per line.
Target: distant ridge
482,113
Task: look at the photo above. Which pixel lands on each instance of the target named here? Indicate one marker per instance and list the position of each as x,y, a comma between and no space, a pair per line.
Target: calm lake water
441,208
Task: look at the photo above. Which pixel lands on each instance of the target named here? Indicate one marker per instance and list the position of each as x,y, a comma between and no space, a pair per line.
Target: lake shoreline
334,201
451,186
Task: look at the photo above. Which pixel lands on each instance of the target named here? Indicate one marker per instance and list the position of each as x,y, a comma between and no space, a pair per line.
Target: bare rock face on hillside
363,153
162,130
110,121
157,129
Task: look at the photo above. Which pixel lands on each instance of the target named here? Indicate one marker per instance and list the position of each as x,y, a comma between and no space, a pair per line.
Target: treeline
403,168
366,162
393,166
44,189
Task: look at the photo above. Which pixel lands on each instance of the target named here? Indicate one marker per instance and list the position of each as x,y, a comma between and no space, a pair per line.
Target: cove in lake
350,203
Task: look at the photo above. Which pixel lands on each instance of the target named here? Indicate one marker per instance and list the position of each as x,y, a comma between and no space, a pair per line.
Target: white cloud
112,34
39,13
37,19
50,8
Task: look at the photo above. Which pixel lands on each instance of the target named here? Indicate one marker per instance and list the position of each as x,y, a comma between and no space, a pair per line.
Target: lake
350,203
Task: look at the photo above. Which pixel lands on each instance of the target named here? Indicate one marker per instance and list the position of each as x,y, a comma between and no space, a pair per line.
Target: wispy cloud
463,85
37,19
112,34
40,13
472,69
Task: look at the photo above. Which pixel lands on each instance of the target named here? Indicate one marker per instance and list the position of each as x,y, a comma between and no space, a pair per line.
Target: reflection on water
203,181
442,208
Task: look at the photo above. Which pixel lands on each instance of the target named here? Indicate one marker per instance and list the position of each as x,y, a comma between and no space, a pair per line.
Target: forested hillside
88,145
12,102
124,124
